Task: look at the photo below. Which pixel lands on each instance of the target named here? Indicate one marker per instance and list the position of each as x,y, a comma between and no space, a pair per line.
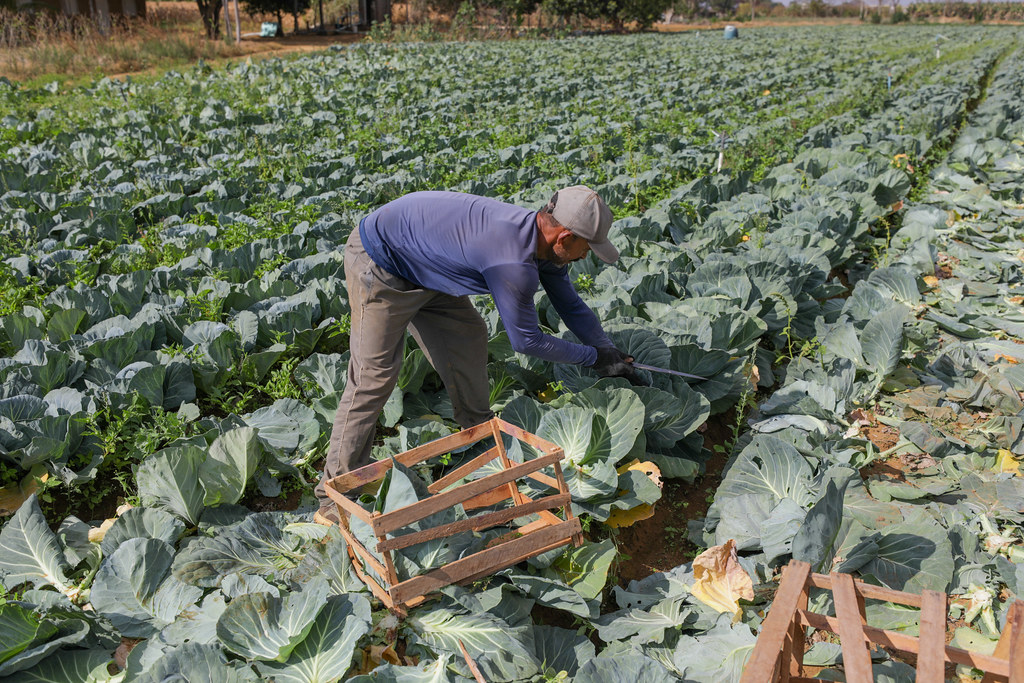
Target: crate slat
541,478
490,560
767,650
488,572
1014,631
792,664
856,658
901,641
486,500
463,471
477,523
931,659
375,470
527,437
364,554
375,587
441,501
526,529
577,539
1015,623
499,443
871,592
346,505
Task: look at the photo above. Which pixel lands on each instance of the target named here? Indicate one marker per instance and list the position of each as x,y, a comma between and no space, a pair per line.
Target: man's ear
564,236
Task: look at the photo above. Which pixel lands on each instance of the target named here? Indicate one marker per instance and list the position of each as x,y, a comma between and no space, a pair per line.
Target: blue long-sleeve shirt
464,244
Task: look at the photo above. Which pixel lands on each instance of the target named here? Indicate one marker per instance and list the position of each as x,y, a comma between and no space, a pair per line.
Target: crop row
183,178
211,358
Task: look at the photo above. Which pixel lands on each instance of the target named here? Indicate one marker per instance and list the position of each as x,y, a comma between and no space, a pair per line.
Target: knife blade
651,368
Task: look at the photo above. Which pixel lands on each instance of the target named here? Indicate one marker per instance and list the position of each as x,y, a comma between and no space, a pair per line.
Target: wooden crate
548,532
779,652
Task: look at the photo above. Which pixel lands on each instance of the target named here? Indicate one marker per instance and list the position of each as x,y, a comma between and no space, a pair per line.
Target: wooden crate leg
577,538
856,657
389,564
1013,633
1011,645
1016,617
792,664
513,489
931,653
764,660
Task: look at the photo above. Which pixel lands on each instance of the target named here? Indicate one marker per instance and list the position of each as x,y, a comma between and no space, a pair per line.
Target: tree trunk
238,25
227,21
209,10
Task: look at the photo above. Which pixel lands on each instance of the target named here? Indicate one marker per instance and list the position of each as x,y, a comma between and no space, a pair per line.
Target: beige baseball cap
584,214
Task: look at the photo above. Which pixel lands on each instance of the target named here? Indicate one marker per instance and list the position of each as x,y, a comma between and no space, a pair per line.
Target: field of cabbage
173,328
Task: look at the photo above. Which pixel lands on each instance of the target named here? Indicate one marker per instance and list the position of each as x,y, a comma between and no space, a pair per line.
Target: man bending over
412,264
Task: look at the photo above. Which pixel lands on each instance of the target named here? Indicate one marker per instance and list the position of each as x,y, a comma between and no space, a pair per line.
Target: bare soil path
254,47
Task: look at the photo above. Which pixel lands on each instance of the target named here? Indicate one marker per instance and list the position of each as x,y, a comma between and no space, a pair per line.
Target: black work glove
614,363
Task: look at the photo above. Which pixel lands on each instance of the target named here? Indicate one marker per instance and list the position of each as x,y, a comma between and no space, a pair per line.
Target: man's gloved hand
614,363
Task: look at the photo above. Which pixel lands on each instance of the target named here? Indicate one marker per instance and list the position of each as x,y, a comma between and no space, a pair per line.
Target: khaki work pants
447,328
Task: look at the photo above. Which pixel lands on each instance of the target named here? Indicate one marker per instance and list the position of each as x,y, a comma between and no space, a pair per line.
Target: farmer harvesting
412,263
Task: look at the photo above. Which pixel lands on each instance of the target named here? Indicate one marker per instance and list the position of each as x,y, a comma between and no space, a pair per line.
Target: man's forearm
549,348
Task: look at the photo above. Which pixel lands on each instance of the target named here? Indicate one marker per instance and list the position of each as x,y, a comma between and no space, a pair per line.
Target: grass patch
41,48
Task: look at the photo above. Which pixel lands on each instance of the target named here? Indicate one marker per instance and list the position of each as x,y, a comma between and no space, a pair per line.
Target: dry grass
46,46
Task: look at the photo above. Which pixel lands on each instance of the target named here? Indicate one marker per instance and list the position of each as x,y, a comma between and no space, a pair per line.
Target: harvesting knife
651,368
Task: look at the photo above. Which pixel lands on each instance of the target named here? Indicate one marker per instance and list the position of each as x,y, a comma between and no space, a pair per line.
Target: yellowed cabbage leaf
376,655
622,518
720,581
11,497
1007,462
97,534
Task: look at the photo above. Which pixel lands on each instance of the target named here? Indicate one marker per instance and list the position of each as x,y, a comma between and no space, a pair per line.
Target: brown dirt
843,275
257,503
883,437
893,468
86,508
660,543
758,23
263,48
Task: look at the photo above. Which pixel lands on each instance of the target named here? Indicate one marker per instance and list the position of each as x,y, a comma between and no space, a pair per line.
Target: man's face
568,248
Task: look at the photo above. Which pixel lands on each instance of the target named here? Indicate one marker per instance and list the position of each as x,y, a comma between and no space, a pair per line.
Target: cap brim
605,251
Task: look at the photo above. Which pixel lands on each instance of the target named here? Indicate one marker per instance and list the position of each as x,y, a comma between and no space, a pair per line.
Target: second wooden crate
779,653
